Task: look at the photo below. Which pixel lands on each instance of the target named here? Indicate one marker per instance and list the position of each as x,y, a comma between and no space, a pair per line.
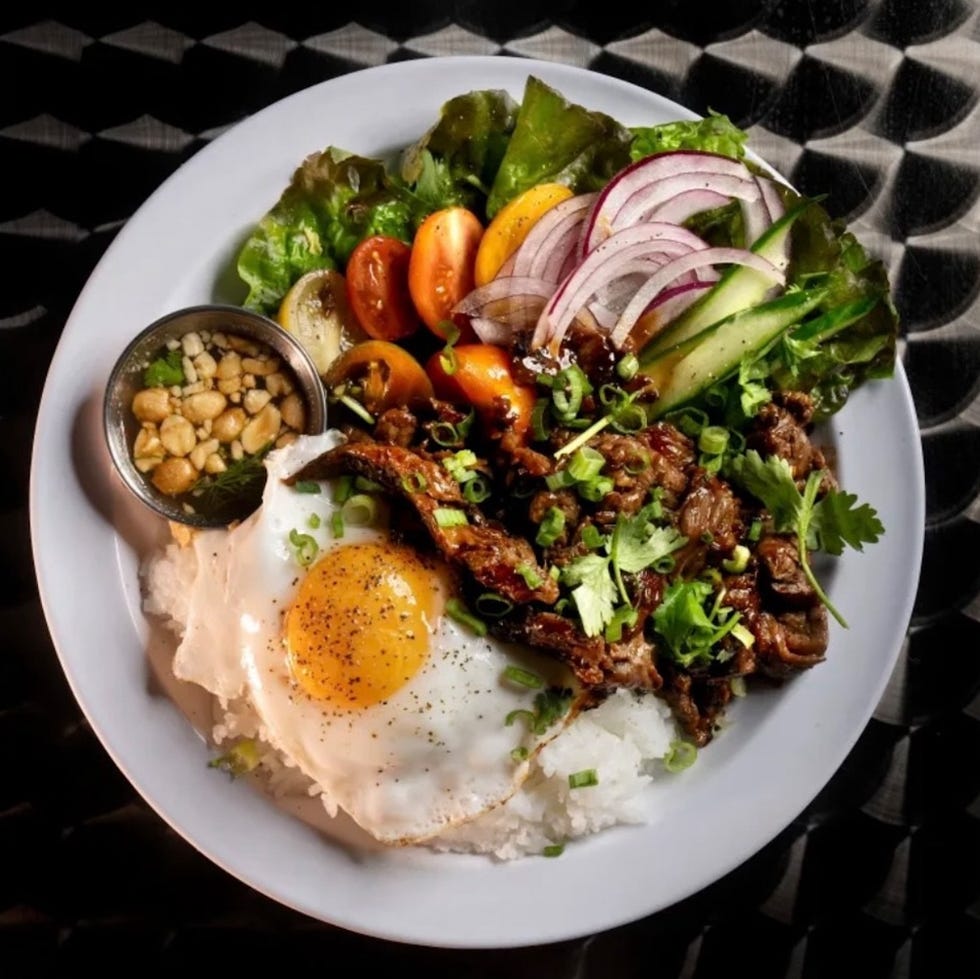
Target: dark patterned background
876,101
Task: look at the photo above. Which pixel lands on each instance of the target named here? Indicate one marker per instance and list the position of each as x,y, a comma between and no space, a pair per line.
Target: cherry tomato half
387,375
510,226
482,373
440,269
377,288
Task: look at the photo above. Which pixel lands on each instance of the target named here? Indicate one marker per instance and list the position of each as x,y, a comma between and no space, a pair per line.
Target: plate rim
47,420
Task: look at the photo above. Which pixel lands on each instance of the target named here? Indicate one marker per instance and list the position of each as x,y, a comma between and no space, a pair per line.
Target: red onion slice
647,199
663,310
504,306
686,204
668,273
549,233
642,174
629,251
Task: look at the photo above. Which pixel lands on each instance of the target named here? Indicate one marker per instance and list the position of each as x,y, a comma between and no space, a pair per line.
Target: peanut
262,429
152,405
177,435
255,400
228,425
174,476
293,412
206,404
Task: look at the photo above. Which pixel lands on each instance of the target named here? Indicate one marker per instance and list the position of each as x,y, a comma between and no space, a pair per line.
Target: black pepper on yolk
359,627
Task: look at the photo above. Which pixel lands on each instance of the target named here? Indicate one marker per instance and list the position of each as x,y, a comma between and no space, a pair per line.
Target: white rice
624,740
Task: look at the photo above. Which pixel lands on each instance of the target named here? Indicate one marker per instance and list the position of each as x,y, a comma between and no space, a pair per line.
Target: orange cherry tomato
387,376
511,224
440,269
377,288
482,373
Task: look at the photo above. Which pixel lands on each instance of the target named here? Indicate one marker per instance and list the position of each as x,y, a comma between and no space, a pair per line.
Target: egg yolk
359,627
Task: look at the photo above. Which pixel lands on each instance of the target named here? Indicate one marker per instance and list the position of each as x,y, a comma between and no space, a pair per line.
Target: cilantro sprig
828,523
596,579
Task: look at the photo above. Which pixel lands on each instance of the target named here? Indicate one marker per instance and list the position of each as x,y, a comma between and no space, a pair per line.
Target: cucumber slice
692,366
739,288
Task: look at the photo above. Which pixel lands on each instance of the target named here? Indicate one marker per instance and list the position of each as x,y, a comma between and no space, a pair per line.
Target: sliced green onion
551,527
447,360
680,755
585,465
737,686
477,489
584,779
539,420
664,564
493,605
449,332
755,530
313,521
629,419
306,486
360,510
638,462
710,463
553,850
628,366
366,485
559,480
415,482
456,610
689,420
623,617
591,537
523,678
305,546
358,409
240,759
531,577
337,524
713,439
739,560
595,490
743,635
459,463
448,517
519,754
611,394
569,388
655,507
445,434
343,488
707,537
545,380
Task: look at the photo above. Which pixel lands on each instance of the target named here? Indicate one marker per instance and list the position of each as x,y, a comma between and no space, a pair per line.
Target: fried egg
402,716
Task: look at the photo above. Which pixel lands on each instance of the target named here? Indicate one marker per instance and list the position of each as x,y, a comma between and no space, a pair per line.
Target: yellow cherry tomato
510,226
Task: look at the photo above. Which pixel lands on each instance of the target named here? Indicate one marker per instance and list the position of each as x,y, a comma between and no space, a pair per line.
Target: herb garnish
597,580
826,524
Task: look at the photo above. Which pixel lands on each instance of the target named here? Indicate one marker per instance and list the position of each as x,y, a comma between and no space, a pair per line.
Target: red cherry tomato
377,288
481,374
440,270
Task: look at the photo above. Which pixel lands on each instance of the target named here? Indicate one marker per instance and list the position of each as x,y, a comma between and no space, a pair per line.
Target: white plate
779,751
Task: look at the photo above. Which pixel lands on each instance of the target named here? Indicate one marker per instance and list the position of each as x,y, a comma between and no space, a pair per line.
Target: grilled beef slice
499,561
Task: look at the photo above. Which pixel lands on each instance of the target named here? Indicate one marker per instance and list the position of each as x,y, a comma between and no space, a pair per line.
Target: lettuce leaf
334,200
455,162
555,141
714,134
852,336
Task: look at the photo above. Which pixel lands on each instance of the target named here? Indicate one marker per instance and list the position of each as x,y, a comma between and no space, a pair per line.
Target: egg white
434,754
